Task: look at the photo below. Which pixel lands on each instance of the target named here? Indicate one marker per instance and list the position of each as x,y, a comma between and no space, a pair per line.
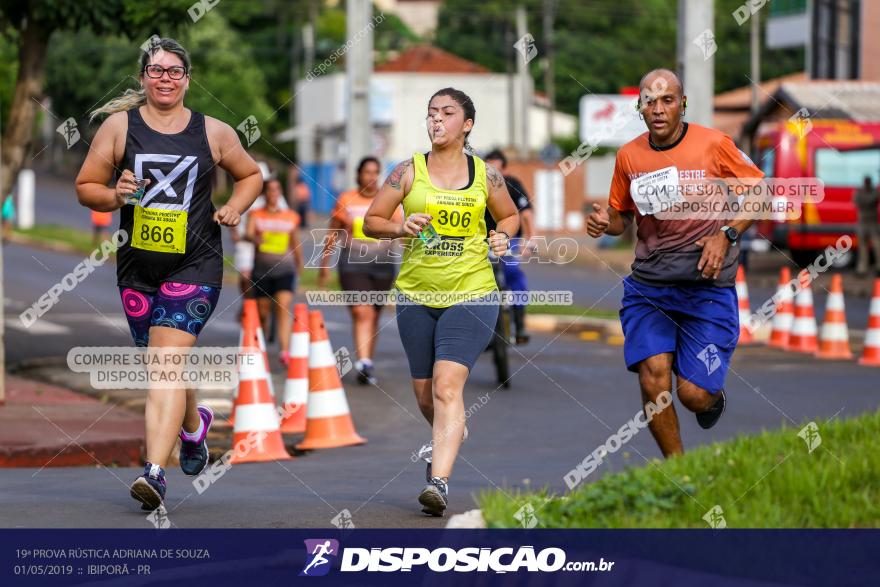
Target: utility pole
696,60
549,76
358,66
512,85
756,61
524,93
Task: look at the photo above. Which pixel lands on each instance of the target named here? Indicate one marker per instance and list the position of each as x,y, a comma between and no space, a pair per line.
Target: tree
602,45
32,22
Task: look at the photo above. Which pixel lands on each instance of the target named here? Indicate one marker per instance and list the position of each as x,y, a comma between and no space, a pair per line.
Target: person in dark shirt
513,274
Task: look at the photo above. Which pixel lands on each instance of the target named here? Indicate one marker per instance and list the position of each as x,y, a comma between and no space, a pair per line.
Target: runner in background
277,261
100,226
244,249
520,246
365,264
299,194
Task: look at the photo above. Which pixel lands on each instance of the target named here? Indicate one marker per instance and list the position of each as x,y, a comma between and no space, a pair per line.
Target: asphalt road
567,397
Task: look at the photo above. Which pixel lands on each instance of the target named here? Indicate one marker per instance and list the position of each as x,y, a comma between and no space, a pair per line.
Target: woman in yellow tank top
448,308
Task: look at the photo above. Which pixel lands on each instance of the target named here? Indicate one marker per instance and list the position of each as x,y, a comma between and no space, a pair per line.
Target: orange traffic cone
834,336
296,389
745,311
250,322
871,354
251,312
255,436
328,419
781,325
803,329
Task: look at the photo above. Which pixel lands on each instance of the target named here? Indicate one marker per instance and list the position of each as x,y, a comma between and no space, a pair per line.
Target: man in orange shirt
277,260
679,309
365,264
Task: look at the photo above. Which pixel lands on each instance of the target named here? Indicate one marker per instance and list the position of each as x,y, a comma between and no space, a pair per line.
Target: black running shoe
708,418
434,497
365,375
194,454
149,488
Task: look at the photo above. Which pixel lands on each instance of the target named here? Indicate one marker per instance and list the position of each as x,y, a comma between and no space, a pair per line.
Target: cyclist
679,309
514,276
277,261
170,286
448,190
365,264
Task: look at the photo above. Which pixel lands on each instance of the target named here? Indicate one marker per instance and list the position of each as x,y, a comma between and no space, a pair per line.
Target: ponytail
128,100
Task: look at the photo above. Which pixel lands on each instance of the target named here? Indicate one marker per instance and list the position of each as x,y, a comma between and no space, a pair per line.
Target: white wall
404,105
319,102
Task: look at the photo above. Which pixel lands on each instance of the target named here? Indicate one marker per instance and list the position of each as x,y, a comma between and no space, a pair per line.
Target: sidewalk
43,425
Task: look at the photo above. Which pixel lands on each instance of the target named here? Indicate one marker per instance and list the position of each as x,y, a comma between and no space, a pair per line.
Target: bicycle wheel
500,344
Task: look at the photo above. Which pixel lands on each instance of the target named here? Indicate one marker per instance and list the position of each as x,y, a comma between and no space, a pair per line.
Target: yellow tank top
458,268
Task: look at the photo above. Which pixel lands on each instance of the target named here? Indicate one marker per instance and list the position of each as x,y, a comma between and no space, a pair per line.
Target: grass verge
768,480
572,310
73,239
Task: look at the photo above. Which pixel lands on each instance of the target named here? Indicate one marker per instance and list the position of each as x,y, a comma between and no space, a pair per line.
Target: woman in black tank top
170,265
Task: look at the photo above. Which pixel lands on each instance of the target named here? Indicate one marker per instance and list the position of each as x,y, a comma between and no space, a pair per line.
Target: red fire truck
838,152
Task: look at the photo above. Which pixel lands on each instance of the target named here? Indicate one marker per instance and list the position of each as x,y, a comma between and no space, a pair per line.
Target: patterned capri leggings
183,306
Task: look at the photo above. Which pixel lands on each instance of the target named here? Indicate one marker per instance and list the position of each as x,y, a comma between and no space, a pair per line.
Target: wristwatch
731,233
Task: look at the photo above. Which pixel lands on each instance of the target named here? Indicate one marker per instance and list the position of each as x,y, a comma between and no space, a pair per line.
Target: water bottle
135,198
429,236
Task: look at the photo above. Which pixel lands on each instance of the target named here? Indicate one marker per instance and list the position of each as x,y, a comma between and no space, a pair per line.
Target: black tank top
180,169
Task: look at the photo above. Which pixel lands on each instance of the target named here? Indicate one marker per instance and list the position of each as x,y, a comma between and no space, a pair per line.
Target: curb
469,519
573,324
121,452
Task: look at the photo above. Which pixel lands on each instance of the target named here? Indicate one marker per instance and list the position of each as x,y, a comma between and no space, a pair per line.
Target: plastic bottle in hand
135,198
429,236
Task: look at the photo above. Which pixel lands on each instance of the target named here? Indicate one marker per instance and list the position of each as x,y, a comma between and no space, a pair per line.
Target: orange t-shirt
666,252
360,252
354,205
274,229
102,219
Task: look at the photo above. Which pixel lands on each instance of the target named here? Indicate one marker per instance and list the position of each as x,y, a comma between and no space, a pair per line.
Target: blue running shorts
698,324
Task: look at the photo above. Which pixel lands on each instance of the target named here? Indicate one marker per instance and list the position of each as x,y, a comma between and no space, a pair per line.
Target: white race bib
656,191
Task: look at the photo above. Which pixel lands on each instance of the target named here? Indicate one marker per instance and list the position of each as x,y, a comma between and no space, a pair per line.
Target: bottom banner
440,557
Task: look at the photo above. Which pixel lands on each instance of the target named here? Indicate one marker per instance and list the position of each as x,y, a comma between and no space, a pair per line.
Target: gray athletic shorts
458,333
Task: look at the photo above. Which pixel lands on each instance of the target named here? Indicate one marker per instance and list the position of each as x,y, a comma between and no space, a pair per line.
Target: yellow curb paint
589,336
614,340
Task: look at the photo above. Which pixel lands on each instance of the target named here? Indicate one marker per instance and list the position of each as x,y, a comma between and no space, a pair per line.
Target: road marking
39,327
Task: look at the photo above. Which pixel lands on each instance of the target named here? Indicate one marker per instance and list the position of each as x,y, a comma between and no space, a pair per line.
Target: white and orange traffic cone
255,435
784,316
745,311
803,329
834,336
328,419
253,310
871,354
296,389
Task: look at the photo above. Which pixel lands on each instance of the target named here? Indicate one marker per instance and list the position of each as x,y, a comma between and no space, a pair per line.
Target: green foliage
8,73
226,82
768,480
84,70
603,45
